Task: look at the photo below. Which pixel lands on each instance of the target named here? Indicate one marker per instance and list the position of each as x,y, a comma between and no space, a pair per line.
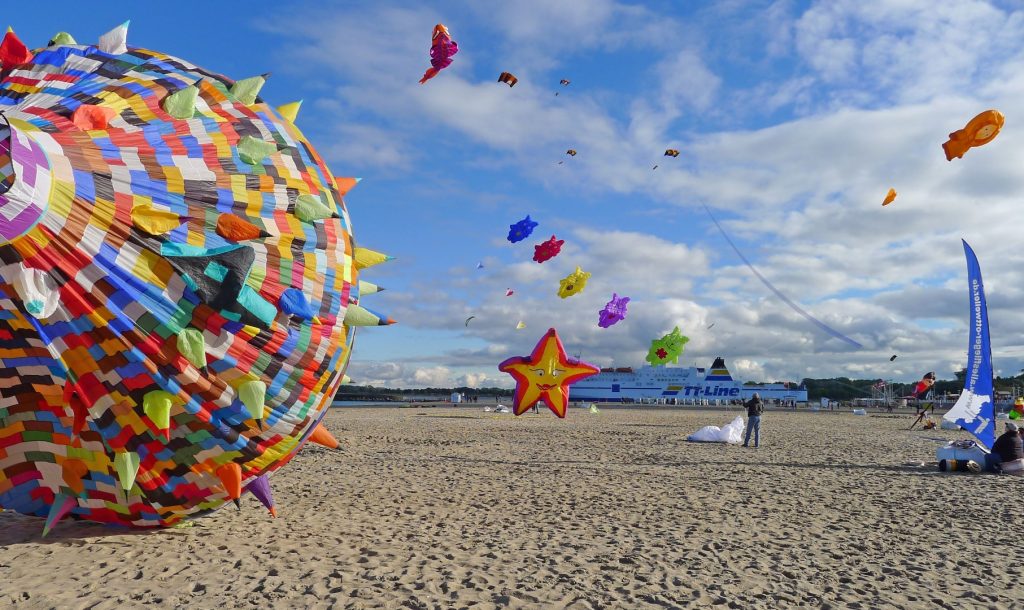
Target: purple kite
548,249
613,312
521,230
442,48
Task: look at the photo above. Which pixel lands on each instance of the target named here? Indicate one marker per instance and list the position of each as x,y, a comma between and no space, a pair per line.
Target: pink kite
509,292
548,249
613,312
442,48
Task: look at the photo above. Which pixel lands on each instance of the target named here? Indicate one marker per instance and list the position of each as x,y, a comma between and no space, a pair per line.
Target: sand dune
456,508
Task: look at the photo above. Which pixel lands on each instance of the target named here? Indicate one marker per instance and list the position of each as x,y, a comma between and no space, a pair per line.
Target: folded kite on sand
731,433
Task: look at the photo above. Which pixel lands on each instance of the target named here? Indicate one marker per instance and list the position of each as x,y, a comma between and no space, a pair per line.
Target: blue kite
521,230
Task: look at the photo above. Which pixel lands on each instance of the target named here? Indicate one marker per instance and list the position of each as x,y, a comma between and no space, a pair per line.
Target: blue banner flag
974,411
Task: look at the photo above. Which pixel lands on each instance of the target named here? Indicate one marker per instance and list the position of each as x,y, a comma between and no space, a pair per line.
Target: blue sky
793,119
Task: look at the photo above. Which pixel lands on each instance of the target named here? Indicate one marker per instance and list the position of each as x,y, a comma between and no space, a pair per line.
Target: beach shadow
432,416
654,426
828,466
517,462
16,529
902,468
937,439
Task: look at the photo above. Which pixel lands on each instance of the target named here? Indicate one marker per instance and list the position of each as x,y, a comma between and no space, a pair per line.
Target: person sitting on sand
754,409
1009,449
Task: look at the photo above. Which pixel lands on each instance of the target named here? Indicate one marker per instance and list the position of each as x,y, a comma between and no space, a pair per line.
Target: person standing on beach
754,409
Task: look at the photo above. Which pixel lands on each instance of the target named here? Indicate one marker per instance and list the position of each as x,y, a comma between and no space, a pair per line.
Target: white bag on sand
731,433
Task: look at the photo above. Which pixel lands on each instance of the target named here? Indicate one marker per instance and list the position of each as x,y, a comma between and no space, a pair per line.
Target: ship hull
678,385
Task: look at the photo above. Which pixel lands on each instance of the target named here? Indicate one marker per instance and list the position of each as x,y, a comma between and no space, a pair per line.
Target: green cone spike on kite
253,150
127,465
366,288
309,208
290,111
345,379
62,505
246,90
182,103
192,346
357,315
157,405
253,395
61,38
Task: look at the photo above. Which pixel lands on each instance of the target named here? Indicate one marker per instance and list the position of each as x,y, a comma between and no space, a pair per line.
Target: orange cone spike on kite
230,475
344,185
238,229
88,117
72,471
322,437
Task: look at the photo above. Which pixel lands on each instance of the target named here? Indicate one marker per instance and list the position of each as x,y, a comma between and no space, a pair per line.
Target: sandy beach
457,508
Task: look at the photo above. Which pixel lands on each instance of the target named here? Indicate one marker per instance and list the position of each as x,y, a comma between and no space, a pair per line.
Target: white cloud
687,81
475,380
909,50
434,377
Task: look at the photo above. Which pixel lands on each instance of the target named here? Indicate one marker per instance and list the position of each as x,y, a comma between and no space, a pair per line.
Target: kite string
778,293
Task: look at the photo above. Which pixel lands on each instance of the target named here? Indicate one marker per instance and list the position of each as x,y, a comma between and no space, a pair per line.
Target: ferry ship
678,385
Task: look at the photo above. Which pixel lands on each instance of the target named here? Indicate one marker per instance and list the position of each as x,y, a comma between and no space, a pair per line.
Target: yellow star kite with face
546,375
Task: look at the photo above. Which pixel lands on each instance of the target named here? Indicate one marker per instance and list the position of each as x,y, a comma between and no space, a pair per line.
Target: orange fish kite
981,130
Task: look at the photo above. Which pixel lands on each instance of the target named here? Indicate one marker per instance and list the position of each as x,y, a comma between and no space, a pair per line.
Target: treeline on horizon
836,388
844,388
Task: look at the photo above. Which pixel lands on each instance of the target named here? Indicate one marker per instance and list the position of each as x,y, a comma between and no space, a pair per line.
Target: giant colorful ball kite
178,285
